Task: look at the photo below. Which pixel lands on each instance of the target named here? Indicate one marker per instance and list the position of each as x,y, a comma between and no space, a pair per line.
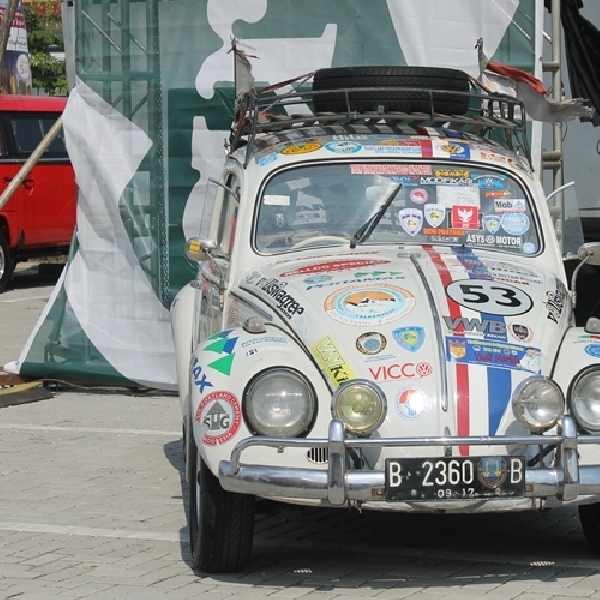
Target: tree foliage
44,33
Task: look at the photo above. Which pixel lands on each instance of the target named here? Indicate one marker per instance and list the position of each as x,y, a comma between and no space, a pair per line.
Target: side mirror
589,253
199,250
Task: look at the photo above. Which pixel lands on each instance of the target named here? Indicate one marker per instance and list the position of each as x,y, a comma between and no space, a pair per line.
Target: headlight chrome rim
576,383
519,395
258,428
378,394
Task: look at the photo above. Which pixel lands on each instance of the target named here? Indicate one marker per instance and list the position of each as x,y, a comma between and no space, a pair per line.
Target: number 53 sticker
489,297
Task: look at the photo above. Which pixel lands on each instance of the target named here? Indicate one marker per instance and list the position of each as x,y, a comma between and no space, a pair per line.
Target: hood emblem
409,338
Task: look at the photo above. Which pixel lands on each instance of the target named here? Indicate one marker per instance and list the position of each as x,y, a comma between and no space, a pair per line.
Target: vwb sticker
409,338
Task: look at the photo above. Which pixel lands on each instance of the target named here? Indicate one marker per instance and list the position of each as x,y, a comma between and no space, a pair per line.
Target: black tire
220,523
426,78
7,265
589,515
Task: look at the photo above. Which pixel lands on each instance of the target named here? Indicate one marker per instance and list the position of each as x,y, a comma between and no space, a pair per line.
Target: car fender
576,353
221,368
182,316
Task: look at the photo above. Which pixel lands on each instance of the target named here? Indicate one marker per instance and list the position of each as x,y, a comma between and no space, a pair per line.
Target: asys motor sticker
489,297
409,338
397,371
493,354
301,148
411,403
465,217
411,220
418,196
361,305
434,214
514,223
220,414
333,265
371,343
331,359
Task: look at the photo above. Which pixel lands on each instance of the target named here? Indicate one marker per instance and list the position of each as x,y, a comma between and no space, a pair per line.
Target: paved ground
92,505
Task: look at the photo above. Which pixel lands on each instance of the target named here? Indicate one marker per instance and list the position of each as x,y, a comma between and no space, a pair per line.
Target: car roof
32,103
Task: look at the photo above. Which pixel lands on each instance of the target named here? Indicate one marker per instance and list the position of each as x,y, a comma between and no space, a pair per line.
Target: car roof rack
496,117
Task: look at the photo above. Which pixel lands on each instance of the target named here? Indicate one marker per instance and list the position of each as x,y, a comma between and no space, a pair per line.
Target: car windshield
438,203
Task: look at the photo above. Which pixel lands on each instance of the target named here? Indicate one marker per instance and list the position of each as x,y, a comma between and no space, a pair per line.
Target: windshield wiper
364,231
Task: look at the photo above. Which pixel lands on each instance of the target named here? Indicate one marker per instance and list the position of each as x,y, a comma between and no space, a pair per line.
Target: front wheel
221,523
589,515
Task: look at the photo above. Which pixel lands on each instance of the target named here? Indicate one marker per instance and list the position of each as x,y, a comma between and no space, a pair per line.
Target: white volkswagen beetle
409,344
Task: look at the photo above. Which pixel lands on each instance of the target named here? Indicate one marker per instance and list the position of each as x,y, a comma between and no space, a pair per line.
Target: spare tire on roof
426,78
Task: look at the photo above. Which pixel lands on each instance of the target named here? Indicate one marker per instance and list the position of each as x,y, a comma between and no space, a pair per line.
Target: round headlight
279,402
585,401
538,403
360,405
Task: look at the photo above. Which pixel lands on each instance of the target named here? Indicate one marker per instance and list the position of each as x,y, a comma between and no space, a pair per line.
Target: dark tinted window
29,131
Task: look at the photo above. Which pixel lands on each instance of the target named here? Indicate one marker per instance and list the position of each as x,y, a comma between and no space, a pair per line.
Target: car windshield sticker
277,200
465,217
369,169
360,305
411,220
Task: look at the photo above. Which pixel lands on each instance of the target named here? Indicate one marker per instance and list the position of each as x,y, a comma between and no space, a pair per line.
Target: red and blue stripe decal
499,381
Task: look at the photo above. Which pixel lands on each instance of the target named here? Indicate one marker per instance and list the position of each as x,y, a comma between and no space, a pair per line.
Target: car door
11,213
48,193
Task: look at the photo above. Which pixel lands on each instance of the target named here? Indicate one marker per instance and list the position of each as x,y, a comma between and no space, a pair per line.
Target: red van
39,218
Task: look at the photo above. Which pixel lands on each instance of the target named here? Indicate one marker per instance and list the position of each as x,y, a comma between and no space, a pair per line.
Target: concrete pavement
92,505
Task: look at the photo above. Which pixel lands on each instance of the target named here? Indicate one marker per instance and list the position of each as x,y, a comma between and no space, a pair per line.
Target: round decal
529,248
521,333
361,305
301,148
492,471
371,343
411,403
490,297
514,223
220,414
343,147
418,196
593,350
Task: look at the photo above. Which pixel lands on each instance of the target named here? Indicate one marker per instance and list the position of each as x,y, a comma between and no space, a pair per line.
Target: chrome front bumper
337,485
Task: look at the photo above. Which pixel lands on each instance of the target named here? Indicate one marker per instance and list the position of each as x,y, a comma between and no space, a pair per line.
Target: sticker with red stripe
462,370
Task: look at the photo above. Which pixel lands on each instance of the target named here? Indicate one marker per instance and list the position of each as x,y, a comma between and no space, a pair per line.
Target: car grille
318,455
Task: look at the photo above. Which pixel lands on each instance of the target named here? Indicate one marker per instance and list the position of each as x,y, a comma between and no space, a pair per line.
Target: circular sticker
371,343
343,147
418,196
490,297
521,333
411,403
529,248
301,148
593,350
220,414
514,223
361,305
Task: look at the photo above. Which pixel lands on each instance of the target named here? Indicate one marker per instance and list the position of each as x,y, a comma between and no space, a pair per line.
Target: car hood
446,333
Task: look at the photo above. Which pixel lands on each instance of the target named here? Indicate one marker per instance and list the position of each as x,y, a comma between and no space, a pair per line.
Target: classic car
413,347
